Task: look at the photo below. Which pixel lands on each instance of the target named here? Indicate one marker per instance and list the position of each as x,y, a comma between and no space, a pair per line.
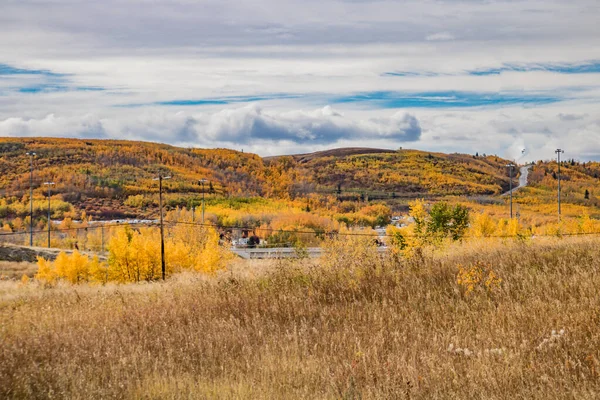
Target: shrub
442,221
138,201
73,268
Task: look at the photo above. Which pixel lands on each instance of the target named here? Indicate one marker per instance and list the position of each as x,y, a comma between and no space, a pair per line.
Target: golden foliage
407,171
134,256
477,276
346,252
113,180
483,225
73,268
25,280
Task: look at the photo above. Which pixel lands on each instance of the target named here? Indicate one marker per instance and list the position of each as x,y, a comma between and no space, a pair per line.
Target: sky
516,78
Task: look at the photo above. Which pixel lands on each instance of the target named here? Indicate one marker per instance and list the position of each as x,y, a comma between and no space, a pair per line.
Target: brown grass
15,270
359,326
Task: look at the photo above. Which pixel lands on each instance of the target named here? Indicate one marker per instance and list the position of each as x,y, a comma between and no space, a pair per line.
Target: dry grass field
15,270
506,320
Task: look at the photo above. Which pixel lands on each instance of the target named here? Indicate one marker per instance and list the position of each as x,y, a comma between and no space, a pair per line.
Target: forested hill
401,172
88,171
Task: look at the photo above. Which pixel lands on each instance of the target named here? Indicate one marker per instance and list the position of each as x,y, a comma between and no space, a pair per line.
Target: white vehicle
242,242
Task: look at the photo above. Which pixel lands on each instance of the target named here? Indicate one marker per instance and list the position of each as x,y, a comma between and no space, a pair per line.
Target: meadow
481,319
466,302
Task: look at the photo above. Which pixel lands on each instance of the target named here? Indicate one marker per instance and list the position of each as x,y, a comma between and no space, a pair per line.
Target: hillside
276,197
576,179
98,176
114,179
340,152
404,172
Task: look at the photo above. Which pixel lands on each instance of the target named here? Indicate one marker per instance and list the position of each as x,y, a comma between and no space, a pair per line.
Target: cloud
448,99
440,37
217,101
99,71
584,67
245,125
7,70
321,126
76,26
517,151
272,30
572,117
268,132
37,81
385,99
508,131
86,126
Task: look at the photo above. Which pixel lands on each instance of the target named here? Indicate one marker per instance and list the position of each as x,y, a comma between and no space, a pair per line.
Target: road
522,179
280,252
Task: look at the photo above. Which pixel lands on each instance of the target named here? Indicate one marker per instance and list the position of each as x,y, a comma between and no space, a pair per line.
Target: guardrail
280,252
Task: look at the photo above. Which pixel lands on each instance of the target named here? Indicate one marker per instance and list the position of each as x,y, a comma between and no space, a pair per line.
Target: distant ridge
114,179
340,152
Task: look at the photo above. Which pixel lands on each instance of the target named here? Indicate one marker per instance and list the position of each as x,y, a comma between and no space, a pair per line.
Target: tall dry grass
16,269
359,325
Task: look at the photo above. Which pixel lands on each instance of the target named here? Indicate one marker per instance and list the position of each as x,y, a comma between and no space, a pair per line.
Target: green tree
442,221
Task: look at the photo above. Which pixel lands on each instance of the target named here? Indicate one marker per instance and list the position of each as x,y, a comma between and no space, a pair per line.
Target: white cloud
51,125
149,51
244,125
504,132
440,37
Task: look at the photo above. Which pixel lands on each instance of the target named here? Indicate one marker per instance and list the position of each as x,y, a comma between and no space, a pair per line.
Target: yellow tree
483,225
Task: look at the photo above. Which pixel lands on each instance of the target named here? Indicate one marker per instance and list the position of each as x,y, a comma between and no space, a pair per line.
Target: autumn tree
441,221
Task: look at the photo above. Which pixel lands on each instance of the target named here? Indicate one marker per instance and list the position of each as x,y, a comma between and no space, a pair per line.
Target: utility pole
160,179
558,153
202,182
49,184
510,168
31,154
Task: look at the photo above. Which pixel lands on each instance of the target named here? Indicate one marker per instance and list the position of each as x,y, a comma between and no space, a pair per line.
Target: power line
251,228
81,228
309,232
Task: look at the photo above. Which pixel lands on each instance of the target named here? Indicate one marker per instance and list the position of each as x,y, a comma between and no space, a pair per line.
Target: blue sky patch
588,67
449,99
409,73
591,67
191,102
6,70
43,88
89,89
55,88
386,99
34,81
217,100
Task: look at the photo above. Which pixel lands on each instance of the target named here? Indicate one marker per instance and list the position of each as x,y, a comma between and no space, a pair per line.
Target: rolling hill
111,179
387,173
